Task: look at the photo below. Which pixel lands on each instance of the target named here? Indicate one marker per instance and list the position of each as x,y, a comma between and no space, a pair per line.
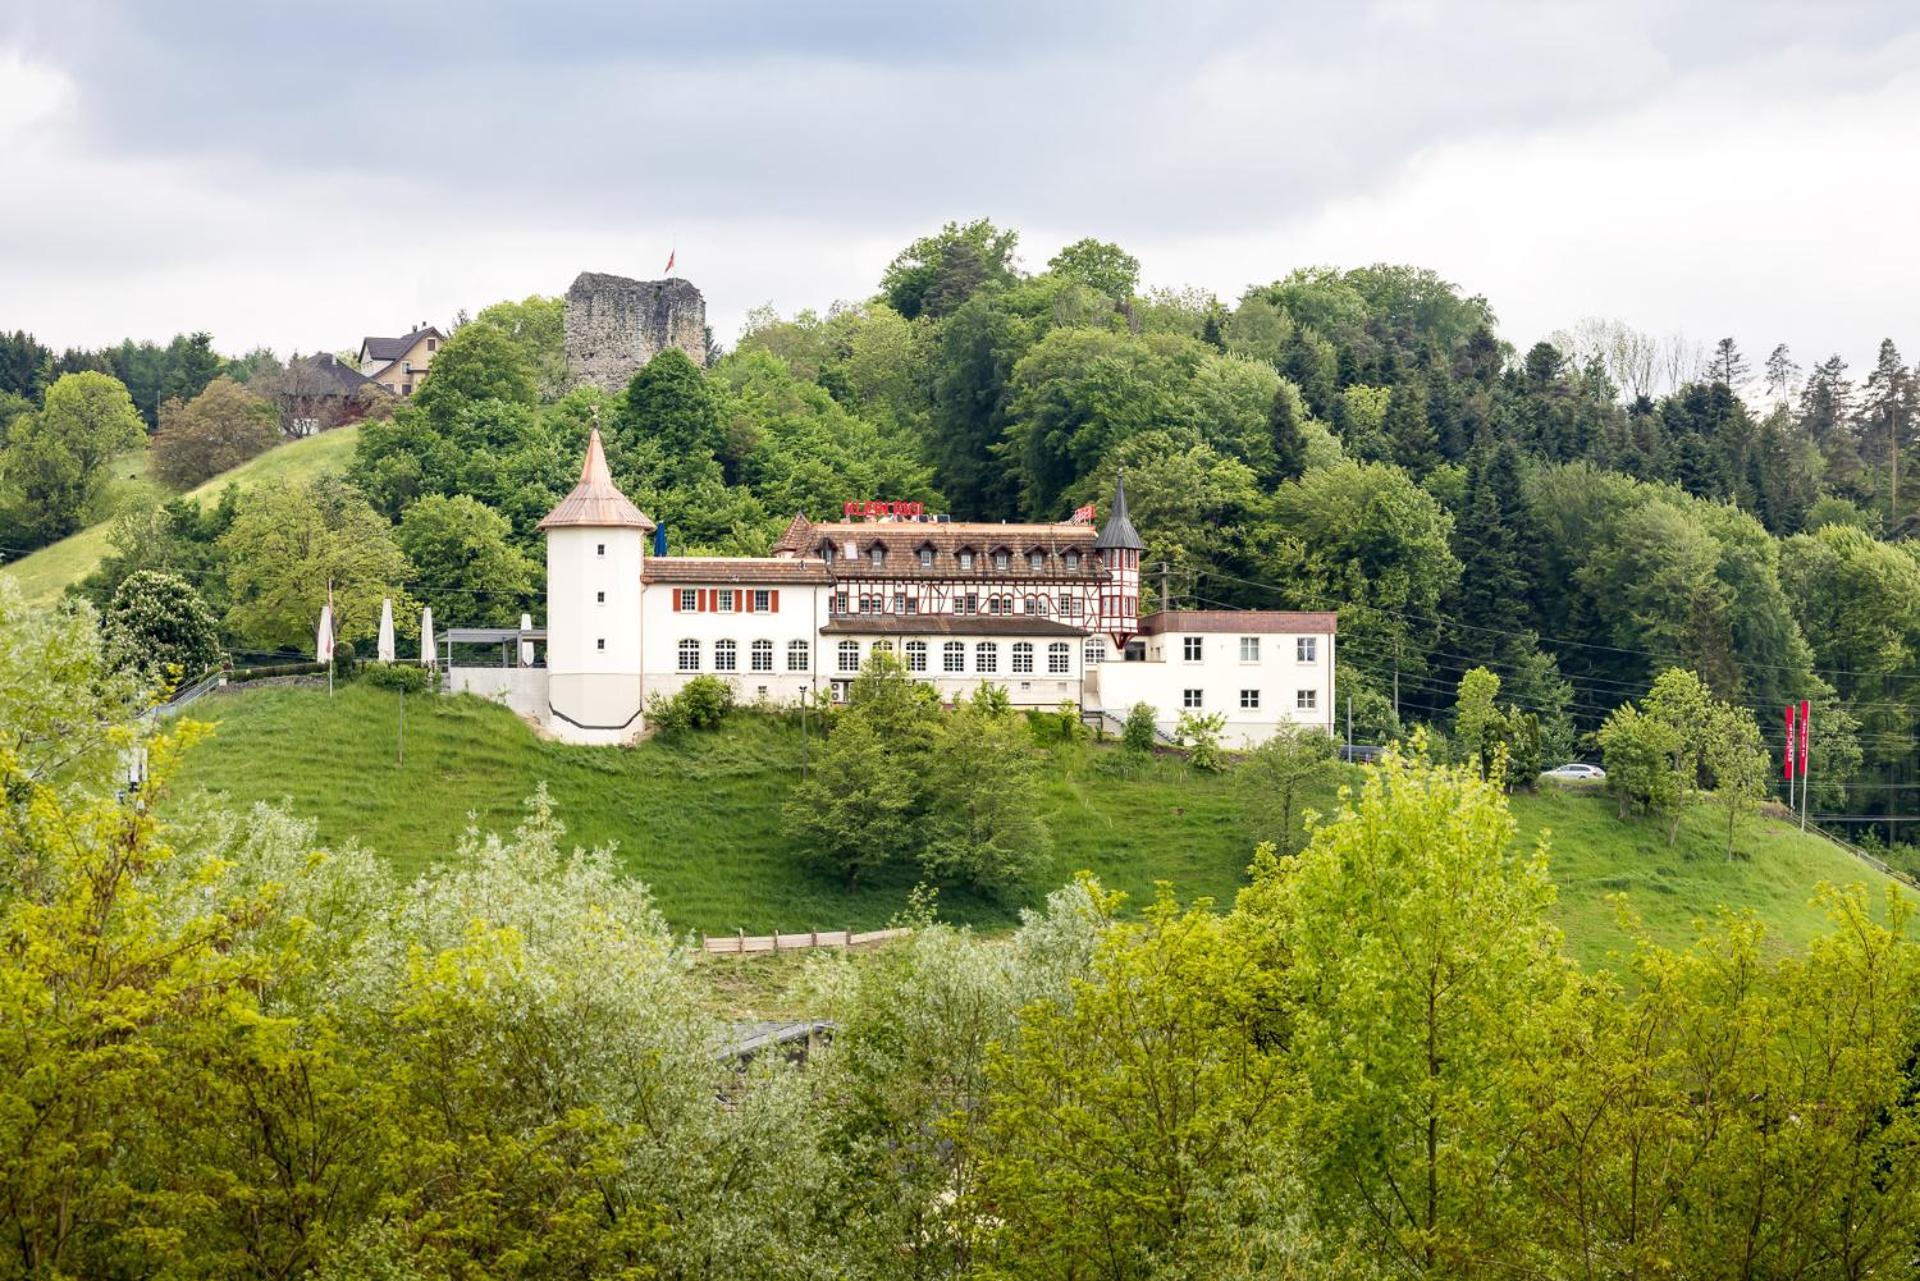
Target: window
966,560
1095,651
601,643
1059,658
1002,560
600,549
826,552
869,604
1036,560
883,647
726,656
913,606
797,656
899,602
967,604
726,600
599,598
1190,699
433,344
762,601
849,656
877,555
406,389
1037,605
1071,560
916,656
1306,648
1023,658
1190,648
1070,606
1249,700
689,655
840,603
953,657
762,659
689,598
1306,700
986,657
926,557
1249,649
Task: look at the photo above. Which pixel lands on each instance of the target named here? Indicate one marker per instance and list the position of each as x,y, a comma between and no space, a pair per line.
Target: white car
1577,772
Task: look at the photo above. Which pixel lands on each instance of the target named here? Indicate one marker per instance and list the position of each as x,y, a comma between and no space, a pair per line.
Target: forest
1576,515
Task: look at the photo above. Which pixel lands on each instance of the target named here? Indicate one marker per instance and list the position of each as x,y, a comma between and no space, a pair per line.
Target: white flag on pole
323,639
429,656
385,653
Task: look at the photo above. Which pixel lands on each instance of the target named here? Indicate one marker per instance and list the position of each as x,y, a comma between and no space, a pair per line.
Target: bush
1137,736
1200,735
407,678
702,703
158,625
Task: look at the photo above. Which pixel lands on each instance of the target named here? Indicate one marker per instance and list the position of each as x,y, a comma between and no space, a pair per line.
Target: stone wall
616,325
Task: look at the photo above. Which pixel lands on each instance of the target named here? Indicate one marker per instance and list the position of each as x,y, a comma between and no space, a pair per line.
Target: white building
1049,612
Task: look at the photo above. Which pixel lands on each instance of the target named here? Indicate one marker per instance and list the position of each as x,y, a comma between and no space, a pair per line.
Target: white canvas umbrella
385,653
429,657
323,638
526,646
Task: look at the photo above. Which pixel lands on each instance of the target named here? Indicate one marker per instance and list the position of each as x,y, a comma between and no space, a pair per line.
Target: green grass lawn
47,573
700,820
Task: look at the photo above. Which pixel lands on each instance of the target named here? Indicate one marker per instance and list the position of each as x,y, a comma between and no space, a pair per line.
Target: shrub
404,677
158,625
1137,736
1200,735
702,703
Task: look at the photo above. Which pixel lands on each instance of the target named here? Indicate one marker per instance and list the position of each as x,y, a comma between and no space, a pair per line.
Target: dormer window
966,558
853,550
826,552
926,557
877,554
1036,559
1002,559
1071,560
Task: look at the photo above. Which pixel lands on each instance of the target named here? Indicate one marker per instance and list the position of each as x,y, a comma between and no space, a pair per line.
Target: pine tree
1727,365
1410,434
1782,371
1491,544
1886,417
1289,442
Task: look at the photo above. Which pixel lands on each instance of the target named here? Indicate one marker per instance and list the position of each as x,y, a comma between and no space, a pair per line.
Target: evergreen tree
1409,432
192,363
1826,416
670,406
1886,420
1727,366
1289,442
1781,372
1492,545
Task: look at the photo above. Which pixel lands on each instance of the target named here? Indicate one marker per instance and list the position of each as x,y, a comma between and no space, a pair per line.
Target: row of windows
965,558
727,600
1304,700
1306,649
726,656
1068,606
953,657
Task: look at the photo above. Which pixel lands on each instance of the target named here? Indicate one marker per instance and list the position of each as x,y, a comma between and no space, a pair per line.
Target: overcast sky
297,175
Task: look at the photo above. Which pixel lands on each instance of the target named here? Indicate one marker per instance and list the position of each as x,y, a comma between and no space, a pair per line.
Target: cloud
298,181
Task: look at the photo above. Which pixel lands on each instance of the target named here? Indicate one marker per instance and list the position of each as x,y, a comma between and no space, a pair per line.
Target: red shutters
748,603
773,601
705,600
676,600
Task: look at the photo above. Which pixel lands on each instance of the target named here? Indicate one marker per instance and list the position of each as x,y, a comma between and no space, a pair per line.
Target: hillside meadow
47,573
699,820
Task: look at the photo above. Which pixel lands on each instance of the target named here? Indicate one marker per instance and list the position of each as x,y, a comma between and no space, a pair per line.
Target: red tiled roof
797,536
1245,621
732,570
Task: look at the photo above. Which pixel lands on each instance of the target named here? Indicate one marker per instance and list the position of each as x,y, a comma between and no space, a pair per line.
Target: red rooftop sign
883,509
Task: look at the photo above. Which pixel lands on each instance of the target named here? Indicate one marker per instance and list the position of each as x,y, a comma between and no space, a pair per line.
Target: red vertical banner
1787,762
1806,719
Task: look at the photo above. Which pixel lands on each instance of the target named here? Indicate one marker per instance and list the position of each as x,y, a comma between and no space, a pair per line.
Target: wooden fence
741,942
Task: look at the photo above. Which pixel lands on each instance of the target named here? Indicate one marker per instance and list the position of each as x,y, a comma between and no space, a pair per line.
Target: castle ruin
616,325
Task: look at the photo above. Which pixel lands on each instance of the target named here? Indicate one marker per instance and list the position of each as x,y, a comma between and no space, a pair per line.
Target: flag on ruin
1082,515
671,255
323,638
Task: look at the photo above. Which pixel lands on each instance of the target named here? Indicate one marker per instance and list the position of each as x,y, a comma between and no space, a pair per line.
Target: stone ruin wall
616,325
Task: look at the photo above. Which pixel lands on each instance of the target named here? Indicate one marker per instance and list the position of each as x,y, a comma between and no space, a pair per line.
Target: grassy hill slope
700,821
45,574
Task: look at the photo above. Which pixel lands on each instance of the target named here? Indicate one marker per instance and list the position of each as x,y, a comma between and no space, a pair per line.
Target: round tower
596,549
1120,546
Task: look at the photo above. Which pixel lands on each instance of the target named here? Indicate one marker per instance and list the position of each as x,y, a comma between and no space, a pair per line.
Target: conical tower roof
596,502
1118,534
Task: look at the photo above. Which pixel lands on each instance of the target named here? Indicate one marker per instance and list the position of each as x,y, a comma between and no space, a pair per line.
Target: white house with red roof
1048,612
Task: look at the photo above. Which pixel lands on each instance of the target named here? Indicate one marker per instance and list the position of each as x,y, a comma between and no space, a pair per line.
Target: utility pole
1396,678
1166,585
1349,728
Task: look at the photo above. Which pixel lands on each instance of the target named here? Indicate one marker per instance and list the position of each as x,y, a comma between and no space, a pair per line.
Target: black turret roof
1118,533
